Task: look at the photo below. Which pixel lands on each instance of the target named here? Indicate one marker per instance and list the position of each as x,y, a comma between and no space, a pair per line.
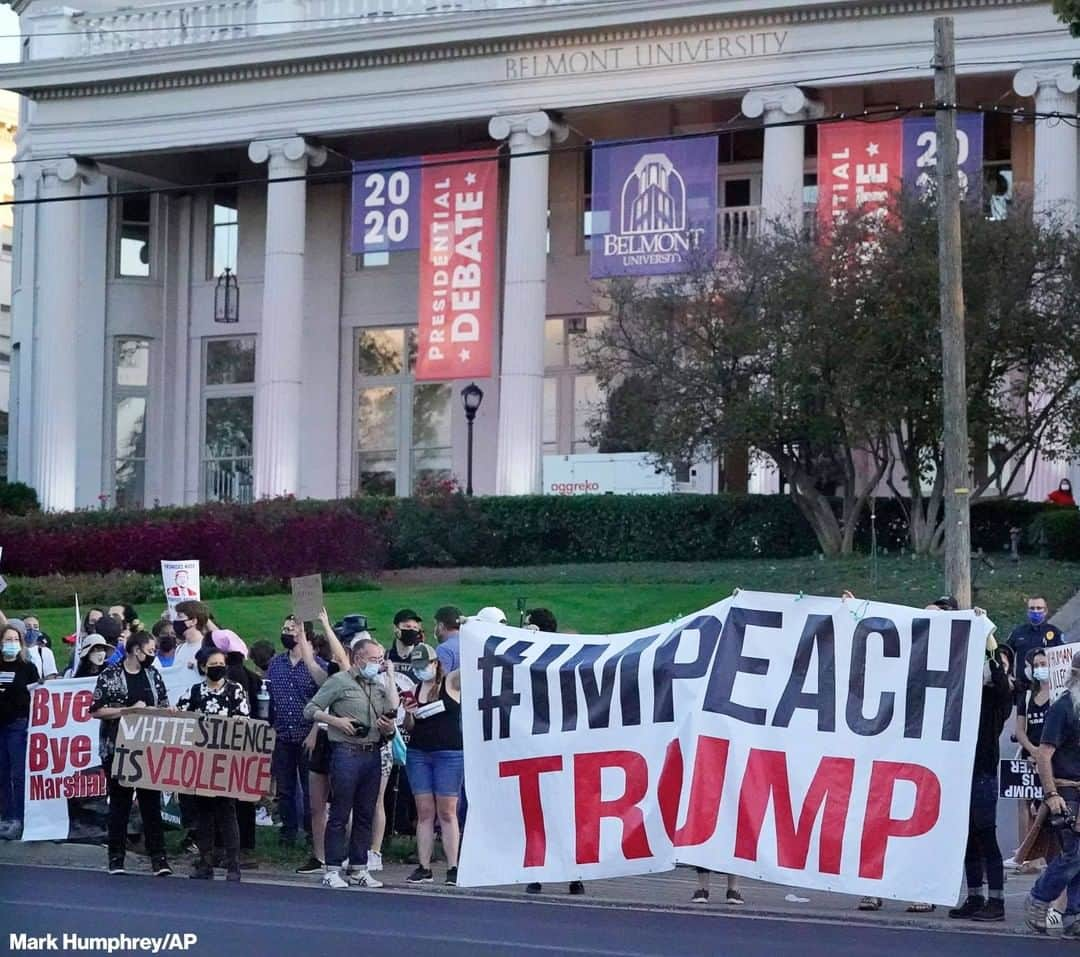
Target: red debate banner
459,207
860,165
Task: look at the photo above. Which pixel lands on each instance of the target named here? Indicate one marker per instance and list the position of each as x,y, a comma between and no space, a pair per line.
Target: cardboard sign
1020,779
193,753
307,597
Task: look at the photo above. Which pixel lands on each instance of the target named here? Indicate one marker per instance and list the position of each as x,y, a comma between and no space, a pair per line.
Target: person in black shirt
133,683
216,695
1036,632
1030,716
17,673
408,633
1058,759
982,859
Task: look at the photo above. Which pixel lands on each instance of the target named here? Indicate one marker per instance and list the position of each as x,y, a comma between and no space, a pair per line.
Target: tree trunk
819,513
736,468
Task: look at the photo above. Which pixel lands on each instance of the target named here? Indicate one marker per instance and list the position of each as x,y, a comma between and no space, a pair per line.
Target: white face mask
96,657
1042,674
11,650
426,674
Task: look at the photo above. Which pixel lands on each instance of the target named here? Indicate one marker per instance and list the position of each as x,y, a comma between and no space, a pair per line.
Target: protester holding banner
359,711
982,857
216,695
435,763
92,657
17,673
134,683
1058,759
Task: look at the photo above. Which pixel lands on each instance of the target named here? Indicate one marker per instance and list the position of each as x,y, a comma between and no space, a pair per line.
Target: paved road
268,920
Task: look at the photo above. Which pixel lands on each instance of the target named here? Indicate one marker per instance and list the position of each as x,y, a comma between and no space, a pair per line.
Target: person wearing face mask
1030,718
92,657
435,761
408,633
1063,495
358,710
292,685
191,625
17,673
216,695
165,634
982,858
1036,632
134,683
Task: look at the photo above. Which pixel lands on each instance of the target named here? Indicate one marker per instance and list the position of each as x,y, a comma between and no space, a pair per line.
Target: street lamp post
471,396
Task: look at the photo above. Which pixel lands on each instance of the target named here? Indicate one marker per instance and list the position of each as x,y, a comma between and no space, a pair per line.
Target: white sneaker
374,861
1010,864
361,878
1053,917
332,878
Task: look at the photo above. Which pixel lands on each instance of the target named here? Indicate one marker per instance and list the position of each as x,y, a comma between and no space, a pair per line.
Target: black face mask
216,672
288,642
179,627
167,644
148,661
411,636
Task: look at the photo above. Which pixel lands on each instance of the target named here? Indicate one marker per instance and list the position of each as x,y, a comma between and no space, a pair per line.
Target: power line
319,176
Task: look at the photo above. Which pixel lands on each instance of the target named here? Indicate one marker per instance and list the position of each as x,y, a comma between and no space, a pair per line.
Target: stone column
1054,88
783,163
55,392
279,366
521,378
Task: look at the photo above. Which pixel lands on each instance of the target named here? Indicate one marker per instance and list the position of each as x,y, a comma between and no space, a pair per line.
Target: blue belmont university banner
654,207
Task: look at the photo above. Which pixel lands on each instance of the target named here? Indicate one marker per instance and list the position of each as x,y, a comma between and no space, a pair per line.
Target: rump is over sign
798,740
194,753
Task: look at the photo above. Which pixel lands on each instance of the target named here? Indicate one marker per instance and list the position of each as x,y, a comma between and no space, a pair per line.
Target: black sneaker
701,896
734,897
422,875
451,877
576,888
312,866
116,865
970,907
993,910
160,867
188,844
534,888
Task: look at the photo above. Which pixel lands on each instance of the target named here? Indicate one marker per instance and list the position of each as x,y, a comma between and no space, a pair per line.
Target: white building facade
125,388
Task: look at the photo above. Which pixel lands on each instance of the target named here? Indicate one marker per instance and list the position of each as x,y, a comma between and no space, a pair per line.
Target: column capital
787,100
534,125
1053,78
291,150
66,171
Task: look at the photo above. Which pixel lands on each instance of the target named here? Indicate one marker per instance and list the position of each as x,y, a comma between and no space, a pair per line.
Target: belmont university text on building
241,324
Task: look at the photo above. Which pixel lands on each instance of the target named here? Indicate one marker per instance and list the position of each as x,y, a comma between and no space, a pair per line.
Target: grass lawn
621,597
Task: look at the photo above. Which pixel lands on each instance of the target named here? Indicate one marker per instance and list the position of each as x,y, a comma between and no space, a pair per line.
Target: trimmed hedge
1057,530
278,539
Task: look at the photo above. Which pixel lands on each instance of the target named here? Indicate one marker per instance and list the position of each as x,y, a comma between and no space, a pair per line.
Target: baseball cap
493,614
421,655
407,614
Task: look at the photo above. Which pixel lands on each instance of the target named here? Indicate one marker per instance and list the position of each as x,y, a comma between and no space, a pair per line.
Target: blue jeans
355,777
1063,872
288,764
435,772
13,769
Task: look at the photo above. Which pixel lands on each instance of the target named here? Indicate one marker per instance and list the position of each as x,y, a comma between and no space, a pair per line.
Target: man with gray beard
1058,759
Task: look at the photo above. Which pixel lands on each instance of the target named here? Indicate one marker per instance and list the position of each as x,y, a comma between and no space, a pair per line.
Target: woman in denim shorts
435,763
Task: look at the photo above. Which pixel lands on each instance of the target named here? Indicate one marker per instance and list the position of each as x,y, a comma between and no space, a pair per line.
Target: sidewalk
668,891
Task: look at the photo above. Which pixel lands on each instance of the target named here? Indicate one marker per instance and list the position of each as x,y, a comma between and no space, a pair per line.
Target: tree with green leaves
1068,12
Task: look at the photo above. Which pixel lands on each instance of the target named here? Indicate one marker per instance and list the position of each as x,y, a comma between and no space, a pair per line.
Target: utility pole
953,349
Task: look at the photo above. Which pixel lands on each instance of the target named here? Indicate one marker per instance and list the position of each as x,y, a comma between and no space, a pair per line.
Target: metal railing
229,480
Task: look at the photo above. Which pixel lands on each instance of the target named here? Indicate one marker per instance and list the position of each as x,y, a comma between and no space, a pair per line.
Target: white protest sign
1059,659
62,761
181,581
797,740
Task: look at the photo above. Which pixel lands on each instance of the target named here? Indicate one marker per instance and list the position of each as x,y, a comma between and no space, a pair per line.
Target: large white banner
63,770
798,740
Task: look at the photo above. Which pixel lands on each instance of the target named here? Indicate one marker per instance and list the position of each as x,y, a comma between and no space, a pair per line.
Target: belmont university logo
653,227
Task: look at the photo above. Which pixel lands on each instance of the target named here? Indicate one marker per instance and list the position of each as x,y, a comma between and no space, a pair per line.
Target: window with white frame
228,419
133,234
401,427
225,230
130,395
572,397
